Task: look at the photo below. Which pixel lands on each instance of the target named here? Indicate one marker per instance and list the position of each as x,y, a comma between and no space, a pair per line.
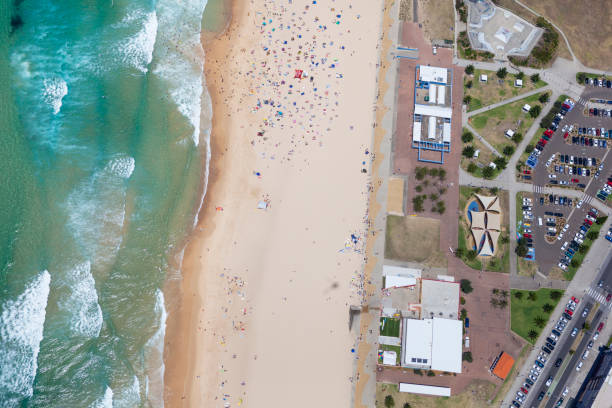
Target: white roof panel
433,74
416,132
446,133
432,110
389,357
432,93
394,281
417,342
446,346
431,130
441,94
425,389
389,270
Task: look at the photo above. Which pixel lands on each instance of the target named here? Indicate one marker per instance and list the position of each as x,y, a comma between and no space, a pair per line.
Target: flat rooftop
440,299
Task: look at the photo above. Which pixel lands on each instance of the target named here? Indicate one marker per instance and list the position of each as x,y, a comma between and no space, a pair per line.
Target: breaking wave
55,90
21,331
137,50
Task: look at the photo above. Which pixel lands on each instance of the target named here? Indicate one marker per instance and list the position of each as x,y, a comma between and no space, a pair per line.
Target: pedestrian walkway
539,189
389,341
598,296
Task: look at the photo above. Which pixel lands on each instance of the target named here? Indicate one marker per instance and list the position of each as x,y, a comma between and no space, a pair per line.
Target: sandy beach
263,318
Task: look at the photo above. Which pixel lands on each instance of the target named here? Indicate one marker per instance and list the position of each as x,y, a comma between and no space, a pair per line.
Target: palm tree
547,307
539,321
532,335
532,296
518,295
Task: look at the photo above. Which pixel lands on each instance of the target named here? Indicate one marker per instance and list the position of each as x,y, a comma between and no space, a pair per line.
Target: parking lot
573,154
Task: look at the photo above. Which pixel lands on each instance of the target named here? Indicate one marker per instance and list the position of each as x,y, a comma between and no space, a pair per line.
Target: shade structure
477,234
486,249
486,201
494,206
478,219
493,236
493,221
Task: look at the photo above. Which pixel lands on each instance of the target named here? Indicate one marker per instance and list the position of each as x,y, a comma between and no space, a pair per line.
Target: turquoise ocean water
102,156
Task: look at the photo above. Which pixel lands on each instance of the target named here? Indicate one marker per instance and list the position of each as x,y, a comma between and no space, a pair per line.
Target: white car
565,391
552,176
579,204
566,227
564,246
596,335
563,266
579,366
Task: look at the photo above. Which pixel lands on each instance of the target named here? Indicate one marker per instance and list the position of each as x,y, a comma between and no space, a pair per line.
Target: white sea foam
129,396
155,355
55,90
137,50
83,301
122,166
180,57
105,401
21,331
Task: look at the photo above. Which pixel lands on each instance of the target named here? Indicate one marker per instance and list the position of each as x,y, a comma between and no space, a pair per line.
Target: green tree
535,111
518,294
502,73
471,255
488,172
417,371
433,171
459,252
467,137
418,188
556,295
532,335
520,75
462,314
592,235
467,356
547,307
521,250
420,172
586,326
442,174
469,69
539,321
601,220
472,168
469,84
466,286
431,373
508,150
544,97
500,162
535,78
467,99
532,296
517,137
389,402
468,151
580,77
574,263
407,405
461,300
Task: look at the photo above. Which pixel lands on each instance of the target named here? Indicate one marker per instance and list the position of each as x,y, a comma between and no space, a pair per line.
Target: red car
529,172
610,183
548,132
565,135
576,300
588,221
524,390
575,180
527,235
608,297
569,312
600,327
543,141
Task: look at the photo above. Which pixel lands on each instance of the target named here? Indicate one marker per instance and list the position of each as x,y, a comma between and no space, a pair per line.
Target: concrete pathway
389,341
509,100
482,139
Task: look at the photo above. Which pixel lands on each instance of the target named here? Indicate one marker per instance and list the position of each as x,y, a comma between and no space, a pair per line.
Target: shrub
520,75
468,151
467,137
592,235
502,73
433,196
535,111
440,207
500,162
488,172
556,294
407,405
431,373
508,150
532,296
420,172
466,286
472,168
535,78
547,308
417,371
580,77
418,188
462,314
518,295
441,174
467,99
467,356
462,300
469,84
517,137
389,402
470,70
544,97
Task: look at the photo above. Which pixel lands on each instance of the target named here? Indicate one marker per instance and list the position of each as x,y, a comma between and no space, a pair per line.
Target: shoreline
234,326
179,364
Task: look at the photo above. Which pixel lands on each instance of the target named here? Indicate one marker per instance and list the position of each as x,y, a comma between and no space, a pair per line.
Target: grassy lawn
414,239
397,349
389,327
476,395
493,124
492,91
523,311
500,262
485,157
579,256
